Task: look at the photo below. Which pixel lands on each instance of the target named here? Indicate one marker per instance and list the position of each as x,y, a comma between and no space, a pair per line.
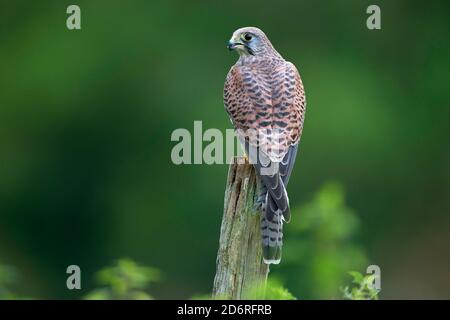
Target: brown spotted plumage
265,100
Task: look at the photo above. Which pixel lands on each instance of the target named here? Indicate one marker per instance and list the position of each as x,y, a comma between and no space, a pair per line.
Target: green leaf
357,277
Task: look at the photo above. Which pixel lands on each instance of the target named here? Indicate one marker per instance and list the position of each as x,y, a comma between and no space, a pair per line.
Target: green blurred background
86,118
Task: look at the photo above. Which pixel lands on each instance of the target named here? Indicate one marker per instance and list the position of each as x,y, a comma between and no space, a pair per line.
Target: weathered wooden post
240,273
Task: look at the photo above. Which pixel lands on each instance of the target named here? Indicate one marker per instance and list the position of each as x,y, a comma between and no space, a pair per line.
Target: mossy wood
240,273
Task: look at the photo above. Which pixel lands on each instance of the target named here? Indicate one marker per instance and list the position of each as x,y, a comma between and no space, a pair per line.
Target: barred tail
272,232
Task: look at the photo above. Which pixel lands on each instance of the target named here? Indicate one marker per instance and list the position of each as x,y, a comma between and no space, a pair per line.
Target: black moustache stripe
249,50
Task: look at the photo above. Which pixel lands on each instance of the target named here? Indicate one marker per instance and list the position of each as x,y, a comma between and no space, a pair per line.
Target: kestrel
265,100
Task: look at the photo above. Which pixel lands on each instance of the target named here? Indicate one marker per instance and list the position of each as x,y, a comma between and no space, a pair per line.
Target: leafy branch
363,289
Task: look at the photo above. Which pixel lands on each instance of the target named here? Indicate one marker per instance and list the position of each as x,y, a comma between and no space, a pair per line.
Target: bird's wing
290,108
290,104
267,108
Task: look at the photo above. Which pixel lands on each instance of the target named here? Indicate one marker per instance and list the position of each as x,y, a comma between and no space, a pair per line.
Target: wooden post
240,273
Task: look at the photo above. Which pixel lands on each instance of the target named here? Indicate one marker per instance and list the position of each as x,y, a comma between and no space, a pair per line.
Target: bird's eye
247,37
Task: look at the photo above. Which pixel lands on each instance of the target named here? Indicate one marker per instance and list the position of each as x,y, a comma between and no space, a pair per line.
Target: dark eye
247,37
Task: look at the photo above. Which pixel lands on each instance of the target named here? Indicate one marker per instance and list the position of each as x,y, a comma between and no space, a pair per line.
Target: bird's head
250,41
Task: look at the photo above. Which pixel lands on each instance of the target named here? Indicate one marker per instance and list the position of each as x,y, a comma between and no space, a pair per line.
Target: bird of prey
265,99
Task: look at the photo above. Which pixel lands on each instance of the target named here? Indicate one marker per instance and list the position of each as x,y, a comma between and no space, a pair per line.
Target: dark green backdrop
86,118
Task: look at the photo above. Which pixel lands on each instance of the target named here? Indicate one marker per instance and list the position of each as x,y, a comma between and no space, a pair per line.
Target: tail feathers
272,207
272,237
278,194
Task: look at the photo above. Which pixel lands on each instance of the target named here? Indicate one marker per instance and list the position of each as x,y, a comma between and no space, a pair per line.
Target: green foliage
363,289
201,297
319,249
8,277
126,280
320,245
276,291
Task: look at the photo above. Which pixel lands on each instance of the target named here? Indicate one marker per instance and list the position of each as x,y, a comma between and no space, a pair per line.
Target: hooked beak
232,45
